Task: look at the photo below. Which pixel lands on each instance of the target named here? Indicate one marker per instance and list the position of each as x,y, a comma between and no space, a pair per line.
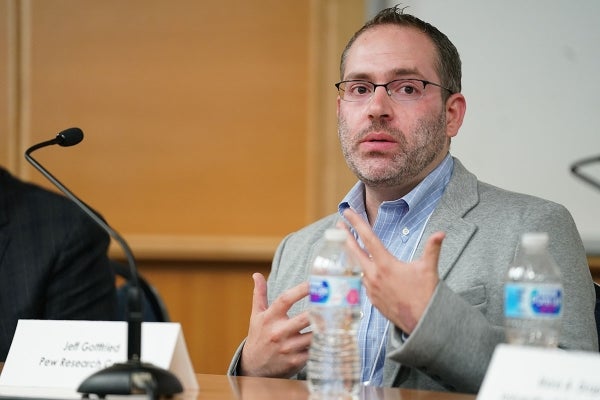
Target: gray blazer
453,342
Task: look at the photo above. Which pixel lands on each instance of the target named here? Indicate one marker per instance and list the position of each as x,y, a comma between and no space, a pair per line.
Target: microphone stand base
131,377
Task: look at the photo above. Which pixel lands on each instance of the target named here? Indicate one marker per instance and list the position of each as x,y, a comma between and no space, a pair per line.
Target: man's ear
456,106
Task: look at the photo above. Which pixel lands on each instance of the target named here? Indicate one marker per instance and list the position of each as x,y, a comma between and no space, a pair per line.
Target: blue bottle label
527,300
335,290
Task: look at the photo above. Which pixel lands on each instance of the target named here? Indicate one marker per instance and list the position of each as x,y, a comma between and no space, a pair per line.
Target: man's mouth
378,142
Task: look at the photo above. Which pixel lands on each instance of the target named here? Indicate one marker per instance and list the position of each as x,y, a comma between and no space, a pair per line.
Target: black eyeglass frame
385,86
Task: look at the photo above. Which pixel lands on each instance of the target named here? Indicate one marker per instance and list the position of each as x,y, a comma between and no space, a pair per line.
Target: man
53,260
436,240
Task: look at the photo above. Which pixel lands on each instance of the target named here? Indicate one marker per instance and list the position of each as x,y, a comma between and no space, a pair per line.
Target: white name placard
531,373
51,355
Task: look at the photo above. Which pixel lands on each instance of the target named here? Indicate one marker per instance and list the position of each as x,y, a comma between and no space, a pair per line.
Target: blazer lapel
460,197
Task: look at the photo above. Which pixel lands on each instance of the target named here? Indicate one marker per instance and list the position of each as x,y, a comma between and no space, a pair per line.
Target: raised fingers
371,242
287,299
361,254
431,253
259,295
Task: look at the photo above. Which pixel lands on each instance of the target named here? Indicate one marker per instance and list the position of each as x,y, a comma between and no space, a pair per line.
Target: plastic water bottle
533,295
335,285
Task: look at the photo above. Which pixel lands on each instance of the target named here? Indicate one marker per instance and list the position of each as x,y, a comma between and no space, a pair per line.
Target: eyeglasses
398,90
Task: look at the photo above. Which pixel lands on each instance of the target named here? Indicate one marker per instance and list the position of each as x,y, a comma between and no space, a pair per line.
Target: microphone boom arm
575,170
134,299
133,376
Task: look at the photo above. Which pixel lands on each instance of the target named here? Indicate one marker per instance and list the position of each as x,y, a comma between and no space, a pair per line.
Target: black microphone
578,164
133,376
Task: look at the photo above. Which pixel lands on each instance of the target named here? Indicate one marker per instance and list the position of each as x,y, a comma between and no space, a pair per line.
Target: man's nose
380,104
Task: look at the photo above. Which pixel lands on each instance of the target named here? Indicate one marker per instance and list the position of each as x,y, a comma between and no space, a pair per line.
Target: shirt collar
435,181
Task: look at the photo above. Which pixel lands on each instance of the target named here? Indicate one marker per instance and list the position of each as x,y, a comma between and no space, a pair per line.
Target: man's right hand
274,346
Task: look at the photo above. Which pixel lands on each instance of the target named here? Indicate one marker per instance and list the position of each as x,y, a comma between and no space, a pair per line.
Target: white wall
531,77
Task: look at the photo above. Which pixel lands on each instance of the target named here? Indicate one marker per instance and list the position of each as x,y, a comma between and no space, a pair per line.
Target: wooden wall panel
203,120
7,65
194,111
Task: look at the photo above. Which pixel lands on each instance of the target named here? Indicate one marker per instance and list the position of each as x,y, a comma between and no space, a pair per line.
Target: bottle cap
336,235
534,240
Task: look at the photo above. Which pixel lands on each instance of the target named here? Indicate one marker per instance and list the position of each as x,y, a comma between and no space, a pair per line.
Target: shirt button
405,231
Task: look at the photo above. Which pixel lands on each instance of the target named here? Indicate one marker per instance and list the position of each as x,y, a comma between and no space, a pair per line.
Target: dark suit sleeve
81,285
53,260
